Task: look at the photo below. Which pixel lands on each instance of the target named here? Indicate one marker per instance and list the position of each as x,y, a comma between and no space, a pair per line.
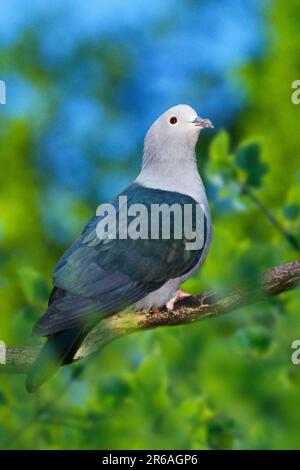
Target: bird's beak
200,122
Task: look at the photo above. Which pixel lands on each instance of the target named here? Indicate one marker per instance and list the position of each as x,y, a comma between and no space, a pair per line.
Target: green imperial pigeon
104,273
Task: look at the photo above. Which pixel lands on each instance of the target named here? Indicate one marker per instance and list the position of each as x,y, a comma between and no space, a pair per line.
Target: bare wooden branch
204,306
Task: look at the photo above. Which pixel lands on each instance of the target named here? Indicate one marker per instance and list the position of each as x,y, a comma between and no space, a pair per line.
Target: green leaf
222,433
34,285
291,211
255,340
151,384
220,166
219,148
3,399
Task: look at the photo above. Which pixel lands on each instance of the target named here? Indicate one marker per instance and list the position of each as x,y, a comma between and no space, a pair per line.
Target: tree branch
204,306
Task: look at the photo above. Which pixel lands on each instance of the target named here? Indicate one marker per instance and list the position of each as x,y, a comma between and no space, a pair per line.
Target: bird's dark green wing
97,277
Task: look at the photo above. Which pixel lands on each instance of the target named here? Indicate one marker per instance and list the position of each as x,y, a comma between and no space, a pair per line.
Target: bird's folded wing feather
97,277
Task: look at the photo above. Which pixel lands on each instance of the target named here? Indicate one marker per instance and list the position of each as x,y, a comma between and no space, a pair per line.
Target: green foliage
218,384
33,285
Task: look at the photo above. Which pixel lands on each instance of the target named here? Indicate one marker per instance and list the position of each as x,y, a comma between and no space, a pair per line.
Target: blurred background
84,81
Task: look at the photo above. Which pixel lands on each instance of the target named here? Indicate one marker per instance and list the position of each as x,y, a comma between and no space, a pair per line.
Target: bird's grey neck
172,173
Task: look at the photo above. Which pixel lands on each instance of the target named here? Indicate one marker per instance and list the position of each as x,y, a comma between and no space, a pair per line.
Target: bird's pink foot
180,294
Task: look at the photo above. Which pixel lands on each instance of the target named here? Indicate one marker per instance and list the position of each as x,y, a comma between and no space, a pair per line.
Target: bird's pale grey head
169,160
176,131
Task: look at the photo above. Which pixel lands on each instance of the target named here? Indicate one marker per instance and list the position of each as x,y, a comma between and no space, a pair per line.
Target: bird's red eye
173,120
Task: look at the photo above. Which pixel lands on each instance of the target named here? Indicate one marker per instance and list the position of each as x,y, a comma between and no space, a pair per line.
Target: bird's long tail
59,349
